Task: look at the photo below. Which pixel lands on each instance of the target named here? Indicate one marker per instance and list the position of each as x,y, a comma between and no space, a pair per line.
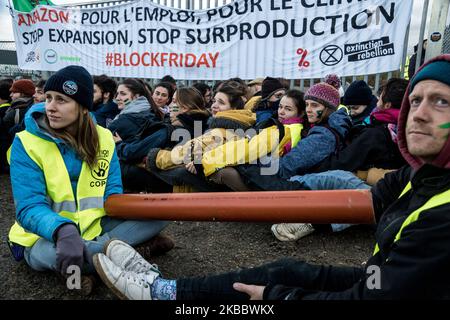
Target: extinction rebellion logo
369,49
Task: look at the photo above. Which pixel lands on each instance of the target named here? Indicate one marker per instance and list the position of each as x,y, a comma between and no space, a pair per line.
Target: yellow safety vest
87,209
435,201
341,106
5,105
296,131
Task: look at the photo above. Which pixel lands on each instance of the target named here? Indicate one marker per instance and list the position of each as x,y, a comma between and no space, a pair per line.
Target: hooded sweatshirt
443,159
416,266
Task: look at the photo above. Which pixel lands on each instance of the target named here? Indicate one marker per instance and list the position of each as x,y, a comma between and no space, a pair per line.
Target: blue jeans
332,180
42,255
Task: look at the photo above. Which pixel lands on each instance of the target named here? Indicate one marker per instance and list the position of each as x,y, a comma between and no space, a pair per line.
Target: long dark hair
235,93
169,88
297,97
136,86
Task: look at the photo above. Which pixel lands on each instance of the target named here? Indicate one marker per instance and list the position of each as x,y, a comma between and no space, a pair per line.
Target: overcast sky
6,32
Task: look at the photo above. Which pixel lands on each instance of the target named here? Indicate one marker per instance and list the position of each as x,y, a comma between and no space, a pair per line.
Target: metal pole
405,51
421,33
438,18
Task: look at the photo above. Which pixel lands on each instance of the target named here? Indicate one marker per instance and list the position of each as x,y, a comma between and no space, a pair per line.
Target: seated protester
376,145
176,166
22,92
360,101
188,114
105,109
137,110
205,91
281,138
326,136
162,96
328,129
267,104
412,251
255,87
39,95
5,139
60,217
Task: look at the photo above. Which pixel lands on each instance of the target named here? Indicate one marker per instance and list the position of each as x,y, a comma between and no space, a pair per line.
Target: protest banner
293,39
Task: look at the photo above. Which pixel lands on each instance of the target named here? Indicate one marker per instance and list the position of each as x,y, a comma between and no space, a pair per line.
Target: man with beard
105,109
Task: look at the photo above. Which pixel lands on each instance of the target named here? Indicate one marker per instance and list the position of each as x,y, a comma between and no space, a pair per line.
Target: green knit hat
438,70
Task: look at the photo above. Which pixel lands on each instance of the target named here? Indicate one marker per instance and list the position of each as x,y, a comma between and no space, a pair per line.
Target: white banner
292,39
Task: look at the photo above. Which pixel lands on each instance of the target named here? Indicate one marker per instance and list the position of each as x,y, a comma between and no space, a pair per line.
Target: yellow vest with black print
435,201
87,209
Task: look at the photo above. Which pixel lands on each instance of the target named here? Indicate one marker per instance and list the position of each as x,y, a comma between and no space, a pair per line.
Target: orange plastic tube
330,206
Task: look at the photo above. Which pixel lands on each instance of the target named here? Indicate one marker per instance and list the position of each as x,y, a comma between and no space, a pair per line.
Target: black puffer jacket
414,267
12,121
159,135
373,147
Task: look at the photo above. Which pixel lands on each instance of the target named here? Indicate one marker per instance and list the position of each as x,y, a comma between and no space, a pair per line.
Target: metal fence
446,44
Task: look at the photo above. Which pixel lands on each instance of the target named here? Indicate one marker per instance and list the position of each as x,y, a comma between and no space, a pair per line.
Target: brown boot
156,246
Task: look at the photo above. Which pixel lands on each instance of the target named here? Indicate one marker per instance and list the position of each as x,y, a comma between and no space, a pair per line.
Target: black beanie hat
269,86
358,93
75,82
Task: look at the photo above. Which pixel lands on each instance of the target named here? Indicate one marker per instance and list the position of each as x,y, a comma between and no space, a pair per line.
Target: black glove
69,248
252,177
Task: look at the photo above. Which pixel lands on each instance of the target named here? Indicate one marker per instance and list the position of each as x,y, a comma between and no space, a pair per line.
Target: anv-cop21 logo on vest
100,170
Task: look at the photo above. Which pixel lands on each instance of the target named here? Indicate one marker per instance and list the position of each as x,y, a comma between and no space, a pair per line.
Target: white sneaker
291,231
127,258
125,284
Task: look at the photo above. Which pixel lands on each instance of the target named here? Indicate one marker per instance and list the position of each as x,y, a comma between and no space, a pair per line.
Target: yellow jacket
247,150
220,132
252,103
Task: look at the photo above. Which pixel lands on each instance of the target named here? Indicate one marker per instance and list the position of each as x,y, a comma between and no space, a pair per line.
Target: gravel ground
201,248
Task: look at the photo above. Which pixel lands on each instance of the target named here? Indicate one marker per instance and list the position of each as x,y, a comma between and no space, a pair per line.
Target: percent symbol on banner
303,53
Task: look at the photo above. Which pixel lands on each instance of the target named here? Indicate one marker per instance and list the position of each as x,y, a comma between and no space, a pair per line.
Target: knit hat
333,80
24,86
438,71
270,86
325,94
74,82
255,81
435,69
358,94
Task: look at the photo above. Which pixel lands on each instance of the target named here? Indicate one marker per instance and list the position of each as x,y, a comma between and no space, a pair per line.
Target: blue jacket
132,120
106,112
33,211
315,147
